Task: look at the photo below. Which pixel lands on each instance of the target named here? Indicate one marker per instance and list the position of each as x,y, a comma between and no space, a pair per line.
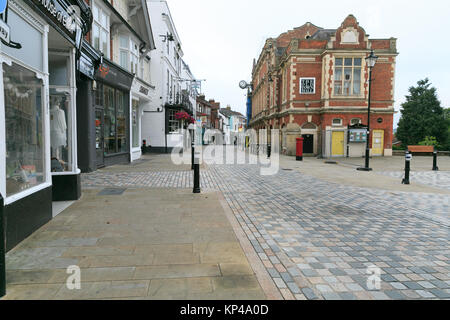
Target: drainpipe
2,251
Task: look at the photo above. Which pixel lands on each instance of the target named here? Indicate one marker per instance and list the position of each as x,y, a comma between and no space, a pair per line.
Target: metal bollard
192,155
435,155
408,158
197,174
269,150
2,251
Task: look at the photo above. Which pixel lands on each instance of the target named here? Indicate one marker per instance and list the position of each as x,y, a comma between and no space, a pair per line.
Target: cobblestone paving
437,179
317,239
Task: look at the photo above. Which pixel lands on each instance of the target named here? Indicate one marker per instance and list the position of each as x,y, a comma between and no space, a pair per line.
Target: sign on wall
307,85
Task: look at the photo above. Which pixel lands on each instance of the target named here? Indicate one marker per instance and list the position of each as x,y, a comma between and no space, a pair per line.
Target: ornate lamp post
371,61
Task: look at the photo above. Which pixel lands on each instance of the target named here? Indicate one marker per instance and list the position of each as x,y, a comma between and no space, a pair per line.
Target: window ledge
26,193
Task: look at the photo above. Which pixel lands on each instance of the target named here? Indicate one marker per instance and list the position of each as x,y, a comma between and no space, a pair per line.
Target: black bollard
269,150
192,155
2,251
197,176
408,159
435,155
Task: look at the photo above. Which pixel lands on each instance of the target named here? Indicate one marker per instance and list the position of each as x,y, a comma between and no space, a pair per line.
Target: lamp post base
365,169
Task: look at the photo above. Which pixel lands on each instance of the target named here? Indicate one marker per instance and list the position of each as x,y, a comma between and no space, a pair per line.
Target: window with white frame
347,76
129,54
337,122
100,30
174,124
307,85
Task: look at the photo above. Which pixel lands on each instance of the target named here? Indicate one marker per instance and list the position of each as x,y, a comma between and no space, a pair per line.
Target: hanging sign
5,31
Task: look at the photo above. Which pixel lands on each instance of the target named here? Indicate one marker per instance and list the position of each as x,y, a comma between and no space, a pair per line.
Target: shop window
121,122
135,123
24,129
115,126
60,135
347,76
337,122
110,122
100,30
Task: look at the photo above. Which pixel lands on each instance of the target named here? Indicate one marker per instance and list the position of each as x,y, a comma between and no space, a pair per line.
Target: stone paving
146,244
317,239
438,179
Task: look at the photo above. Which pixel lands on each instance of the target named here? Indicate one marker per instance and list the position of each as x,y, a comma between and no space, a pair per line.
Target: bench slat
422,149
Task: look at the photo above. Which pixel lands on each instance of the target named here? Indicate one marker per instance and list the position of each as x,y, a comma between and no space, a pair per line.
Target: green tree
447,117
429,141
422,116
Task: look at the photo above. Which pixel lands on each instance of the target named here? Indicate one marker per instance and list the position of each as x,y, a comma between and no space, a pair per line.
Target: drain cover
111,192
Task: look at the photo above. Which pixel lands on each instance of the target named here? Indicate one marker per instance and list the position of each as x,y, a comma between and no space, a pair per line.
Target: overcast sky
221,38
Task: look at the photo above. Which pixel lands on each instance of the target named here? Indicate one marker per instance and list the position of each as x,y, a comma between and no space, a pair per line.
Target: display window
135,123
60,135
61,112
24,124
113,102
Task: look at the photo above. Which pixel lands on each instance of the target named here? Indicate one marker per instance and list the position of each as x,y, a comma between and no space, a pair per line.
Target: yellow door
338,144
378,143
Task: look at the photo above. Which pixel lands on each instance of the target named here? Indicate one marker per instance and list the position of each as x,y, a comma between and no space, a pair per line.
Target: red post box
300,149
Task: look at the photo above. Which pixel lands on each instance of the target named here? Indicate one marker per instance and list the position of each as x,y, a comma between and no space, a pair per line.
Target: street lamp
371,61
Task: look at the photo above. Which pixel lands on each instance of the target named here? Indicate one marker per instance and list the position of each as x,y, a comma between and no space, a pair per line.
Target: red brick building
313,82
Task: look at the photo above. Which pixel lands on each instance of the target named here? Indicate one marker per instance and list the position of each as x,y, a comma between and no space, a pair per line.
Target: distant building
233,123
312,82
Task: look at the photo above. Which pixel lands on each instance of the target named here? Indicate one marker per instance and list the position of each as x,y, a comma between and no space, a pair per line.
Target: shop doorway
338,144
99,138
308,143
378,143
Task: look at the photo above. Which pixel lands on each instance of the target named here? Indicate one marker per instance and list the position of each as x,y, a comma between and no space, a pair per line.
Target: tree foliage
422,116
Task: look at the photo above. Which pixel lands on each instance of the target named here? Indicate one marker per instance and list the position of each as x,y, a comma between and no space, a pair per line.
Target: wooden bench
421,149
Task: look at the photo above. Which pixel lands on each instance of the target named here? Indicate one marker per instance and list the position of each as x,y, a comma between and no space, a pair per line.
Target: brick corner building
313,83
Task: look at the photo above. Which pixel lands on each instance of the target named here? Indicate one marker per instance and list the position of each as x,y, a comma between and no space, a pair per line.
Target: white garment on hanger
58,127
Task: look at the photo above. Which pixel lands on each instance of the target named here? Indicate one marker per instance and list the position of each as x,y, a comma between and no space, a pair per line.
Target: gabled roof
229,113
324,34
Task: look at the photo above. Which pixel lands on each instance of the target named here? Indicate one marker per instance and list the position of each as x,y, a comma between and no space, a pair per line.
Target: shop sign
114,76
86,67
5,31
62,14
143,90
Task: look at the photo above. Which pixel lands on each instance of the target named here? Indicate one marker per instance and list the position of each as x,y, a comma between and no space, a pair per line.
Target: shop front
106,113
141,98
38,153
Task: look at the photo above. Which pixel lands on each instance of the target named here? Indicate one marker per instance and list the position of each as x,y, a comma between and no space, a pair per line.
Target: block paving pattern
437,179
317,239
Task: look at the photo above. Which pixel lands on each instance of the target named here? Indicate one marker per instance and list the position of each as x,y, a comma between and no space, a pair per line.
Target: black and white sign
307,85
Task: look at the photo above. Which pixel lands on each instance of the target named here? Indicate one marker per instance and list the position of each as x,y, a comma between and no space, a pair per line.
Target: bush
429,141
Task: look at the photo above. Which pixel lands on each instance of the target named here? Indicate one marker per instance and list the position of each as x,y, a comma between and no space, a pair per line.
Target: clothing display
58,127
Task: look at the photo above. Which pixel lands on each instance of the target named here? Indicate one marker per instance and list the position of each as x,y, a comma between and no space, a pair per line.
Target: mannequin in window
58,134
